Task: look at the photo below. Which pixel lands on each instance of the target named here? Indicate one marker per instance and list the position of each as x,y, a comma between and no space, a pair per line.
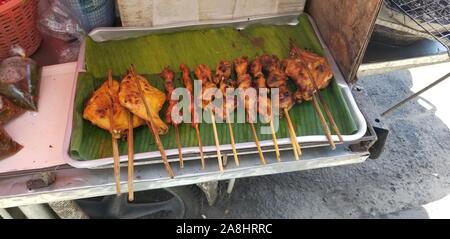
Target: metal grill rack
432,15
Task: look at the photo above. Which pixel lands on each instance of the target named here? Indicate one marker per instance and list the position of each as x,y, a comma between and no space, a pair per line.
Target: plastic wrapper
19,80
8,147
59,21
8,111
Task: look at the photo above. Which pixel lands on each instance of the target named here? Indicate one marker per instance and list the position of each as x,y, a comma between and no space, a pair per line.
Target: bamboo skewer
295,144
233,143
152,126
200,146
130,157
258,145
275,141
114,136
325,127
180,152
216,138
115,148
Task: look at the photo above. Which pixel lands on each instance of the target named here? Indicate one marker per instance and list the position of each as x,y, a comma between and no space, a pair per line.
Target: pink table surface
42,133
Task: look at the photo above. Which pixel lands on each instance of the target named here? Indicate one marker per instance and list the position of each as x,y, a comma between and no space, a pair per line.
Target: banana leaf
151,53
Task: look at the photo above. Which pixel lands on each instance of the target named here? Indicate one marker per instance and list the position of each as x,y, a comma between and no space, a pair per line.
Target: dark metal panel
346,26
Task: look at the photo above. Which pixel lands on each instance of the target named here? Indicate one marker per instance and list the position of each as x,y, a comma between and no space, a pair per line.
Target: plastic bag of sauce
8,147
8,111
19,81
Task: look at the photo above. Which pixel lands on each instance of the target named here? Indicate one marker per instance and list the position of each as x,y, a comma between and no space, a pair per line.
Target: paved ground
413,171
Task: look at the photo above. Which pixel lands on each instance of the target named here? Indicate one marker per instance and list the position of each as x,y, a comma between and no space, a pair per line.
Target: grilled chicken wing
130,98
98,110
295,68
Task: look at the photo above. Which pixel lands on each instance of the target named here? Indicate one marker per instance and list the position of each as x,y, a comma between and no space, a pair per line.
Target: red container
18,25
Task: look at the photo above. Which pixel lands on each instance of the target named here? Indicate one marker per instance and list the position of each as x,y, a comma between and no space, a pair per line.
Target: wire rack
432,15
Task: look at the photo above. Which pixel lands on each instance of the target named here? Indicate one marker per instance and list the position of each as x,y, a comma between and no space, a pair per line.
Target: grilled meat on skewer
244,82
318,67
277,79
186,78
98,110
223,76
168,76
129,97
260,83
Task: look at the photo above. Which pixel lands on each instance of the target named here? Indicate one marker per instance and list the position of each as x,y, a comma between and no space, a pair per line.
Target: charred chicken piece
98,110
203,73
260,83
223,72
187,82
129,97
295,68
244,82
167,75
278,79
270,63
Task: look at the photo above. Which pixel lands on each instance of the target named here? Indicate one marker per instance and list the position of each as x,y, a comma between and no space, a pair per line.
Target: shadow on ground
413,170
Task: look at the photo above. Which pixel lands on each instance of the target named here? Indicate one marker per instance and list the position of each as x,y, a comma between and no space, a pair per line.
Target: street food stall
101,126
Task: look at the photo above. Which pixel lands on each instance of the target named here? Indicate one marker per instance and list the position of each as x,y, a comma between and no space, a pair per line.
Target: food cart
46,171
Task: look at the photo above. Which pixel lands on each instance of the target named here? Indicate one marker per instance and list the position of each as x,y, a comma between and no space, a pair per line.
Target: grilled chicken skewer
298,67
244,82
223,77
168,76
187,82
203,73
105,111
145,101
277,79
260,83
320,79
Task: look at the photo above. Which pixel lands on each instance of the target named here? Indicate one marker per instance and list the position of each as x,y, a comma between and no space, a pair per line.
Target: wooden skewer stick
293,134
180,152
114,136
130,157
275,141
152,126
115,148
216,138
200,146
233,143
324,105
258,145
325,127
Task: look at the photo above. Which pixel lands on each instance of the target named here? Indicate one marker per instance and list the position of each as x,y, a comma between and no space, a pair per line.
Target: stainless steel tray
105,34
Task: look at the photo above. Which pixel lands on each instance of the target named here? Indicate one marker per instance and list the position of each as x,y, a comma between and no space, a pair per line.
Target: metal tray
105,34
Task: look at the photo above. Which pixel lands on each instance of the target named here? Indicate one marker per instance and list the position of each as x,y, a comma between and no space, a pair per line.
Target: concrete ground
410,180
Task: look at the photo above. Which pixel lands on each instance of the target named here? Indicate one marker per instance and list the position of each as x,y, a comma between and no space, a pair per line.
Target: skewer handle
233,143
200,146
258,145
325,127
116,156
216,138
161,149
275,141
130,158
180,152
293,135
330,116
